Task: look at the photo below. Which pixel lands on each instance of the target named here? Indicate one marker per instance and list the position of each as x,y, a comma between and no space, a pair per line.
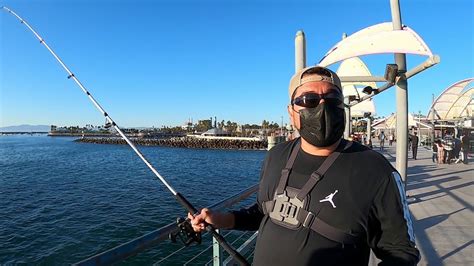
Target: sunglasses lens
311,100
307,100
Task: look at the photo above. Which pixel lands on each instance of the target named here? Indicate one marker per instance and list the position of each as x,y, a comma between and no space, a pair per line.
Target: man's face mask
322,124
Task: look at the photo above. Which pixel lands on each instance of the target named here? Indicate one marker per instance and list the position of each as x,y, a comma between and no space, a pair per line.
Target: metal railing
149,240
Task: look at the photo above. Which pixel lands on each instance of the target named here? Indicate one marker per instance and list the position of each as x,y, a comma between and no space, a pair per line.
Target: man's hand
217,220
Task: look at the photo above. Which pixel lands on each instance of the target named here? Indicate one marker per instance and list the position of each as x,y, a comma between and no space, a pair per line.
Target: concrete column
369,128
347,109
402,99
300,51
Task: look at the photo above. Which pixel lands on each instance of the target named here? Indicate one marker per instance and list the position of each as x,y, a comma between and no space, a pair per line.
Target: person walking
457,147
414,145
441,152
314,206
434,149
465,148
448,147
382,140
409,141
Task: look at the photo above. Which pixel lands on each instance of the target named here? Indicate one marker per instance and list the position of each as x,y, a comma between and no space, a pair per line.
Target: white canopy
391,122
377,39
355,67
455,102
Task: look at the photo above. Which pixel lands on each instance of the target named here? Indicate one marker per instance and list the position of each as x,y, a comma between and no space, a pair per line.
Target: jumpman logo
329,198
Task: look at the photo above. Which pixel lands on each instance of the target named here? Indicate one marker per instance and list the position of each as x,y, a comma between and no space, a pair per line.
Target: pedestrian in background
414,145
434,149
464,147
448,146
382,140
441,152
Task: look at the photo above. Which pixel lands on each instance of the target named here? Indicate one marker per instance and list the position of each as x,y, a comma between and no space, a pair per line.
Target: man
323,200
434,150
382,140
414,145
465,147
390,139
448,147
456,150
409,141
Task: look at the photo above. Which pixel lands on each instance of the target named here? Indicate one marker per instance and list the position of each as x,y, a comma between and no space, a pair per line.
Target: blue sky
153,63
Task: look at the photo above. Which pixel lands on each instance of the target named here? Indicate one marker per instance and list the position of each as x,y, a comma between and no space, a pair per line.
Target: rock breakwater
184,142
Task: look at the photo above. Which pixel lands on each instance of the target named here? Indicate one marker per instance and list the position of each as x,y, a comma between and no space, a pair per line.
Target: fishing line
180,198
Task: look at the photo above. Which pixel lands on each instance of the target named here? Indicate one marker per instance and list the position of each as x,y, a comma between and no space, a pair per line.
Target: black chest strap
316,176
309,219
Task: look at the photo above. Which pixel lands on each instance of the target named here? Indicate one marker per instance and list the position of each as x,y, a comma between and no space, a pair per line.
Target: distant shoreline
23,133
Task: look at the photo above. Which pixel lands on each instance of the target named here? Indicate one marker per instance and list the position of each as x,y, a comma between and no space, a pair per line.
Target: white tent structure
377,39
455,102
389,125
391,122
355,67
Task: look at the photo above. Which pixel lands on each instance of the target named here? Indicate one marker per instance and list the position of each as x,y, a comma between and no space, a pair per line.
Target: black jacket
370,202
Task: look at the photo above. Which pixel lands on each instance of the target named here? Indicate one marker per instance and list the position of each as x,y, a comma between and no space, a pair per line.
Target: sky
155,63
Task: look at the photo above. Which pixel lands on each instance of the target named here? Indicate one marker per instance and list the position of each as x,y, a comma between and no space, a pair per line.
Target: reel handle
190,208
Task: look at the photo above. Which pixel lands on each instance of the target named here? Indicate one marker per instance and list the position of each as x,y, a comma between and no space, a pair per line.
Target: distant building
239,129
216,132
187,126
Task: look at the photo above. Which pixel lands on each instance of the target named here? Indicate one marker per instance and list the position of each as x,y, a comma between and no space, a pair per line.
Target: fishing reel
185,233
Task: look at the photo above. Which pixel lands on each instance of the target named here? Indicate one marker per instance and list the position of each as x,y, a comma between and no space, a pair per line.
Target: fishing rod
179,197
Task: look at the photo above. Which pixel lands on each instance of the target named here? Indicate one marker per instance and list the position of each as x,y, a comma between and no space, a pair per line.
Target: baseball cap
314,73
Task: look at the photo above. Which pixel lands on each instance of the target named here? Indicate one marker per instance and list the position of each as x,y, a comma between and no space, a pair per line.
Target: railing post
216,252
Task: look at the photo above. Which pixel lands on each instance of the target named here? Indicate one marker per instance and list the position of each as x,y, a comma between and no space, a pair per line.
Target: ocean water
63,201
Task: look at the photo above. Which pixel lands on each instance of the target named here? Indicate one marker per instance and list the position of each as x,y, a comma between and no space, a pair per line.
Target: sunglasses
311,100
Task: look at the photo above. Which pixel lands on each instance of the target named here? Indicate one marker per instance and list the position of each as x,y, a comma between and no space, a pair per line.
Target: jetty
185,142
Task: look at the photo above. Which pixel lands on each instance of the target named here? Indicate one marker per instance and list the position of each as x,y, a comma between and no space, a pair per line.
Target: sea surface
62,201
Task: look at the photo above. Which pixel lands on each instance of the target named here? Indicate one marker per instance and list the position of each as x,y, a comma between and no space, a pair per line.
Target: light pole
401,98
419,126
281,129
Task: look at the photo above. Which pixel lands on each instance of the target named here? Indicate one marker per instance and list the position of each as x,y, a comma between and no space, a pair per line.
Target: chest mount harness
290,206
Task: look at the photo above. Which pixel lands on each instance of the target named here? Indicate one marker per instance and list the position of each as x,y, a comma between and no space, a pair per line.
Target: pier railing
244,240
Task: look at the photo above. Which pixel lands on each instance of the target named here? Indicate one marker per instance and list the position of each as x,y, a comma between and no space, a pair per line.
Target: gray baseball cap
316,73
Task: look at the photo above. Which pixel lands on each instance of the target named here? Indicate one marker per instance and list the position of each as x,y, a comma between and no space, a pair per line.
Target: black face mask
323,125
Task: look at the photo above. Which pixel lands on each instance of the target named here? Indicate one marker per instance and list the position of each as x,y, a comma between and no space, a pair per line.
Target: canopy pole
402,100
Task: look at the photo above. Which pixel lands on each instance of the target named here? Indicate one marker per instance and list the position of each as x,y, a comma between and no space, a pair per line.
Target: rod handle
232,252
